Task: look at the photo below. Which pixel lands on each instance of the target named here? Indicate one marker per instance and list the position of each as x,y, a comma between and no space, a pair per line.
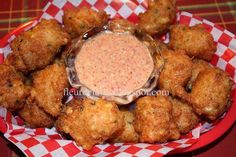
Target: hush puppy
13,92
128,134
176,73
158,17
36,48
196,41
198,66
78,21
48,88
184,116
90,122
211,92
154,121
34,116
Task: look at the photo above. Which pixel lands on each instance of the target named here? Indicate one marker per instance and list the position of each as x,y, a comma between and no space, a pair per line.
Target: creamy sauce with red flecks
113,64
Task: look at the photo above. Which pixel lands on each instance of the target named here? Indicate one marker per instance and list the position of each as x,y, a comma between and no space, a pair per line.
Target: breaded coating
154,121
13,92
90,122
78,21
34,116
184,116
48,88
176,73
158,17
122,24
161,46
210,93
36,48
128,134
198,66
196,41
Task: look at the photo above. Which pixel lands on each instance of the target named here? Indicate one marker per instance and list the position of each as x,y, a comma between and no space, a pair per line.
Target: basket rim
206,138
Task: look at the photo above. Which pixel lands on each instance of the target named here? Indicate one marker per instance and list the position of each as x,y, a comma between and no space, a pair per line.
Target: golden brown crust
196,41
184,116
48,88
161,46
36,48
78,21
210,93
128,134
13,92
153,119
158,17
34,116
198,66
176,72
90,122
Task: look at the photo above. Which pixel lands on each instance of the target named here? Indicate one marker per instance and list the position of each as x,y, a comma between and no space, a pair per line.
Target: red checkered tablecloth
14,12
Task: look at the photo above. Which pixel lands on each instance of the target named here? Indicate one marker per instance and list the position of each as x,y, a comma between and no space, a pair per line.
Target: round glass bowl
76,46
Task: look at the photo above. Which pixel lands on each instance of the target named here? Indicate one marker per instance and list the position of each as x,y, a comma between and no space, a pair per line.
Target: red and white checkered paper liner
47,142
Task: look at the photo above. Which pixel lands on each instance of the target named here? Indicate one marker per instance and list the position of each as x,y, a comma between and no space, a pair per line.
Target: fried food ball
90,122
158,17
34,116
153,119
48,88
198,66
184,116
122,24
176,73
13,92
78,21
128,134
36,48
161,46
196,41
210,93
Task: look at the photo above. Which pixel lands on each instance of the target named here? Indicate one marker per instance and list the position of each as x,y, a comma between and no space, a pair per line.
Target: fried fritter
48,88
158,17
176,73
210,93
184,116
78,21
128,134
198,66
122,24
161,46
36,48
13,92
196,41
34,116
154,121
90,122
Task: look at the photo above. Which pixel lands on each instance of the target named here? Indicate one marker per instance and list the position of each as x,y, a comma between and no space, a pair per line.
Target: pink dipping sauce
114,64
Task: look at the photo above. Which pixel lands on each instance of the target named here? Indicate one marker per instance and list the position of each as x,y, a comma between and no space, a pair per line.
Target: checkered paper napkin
48,142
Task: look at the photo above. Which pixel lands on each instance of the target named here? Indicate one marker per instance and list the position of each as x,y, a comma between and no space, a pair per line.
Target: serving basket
48,142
